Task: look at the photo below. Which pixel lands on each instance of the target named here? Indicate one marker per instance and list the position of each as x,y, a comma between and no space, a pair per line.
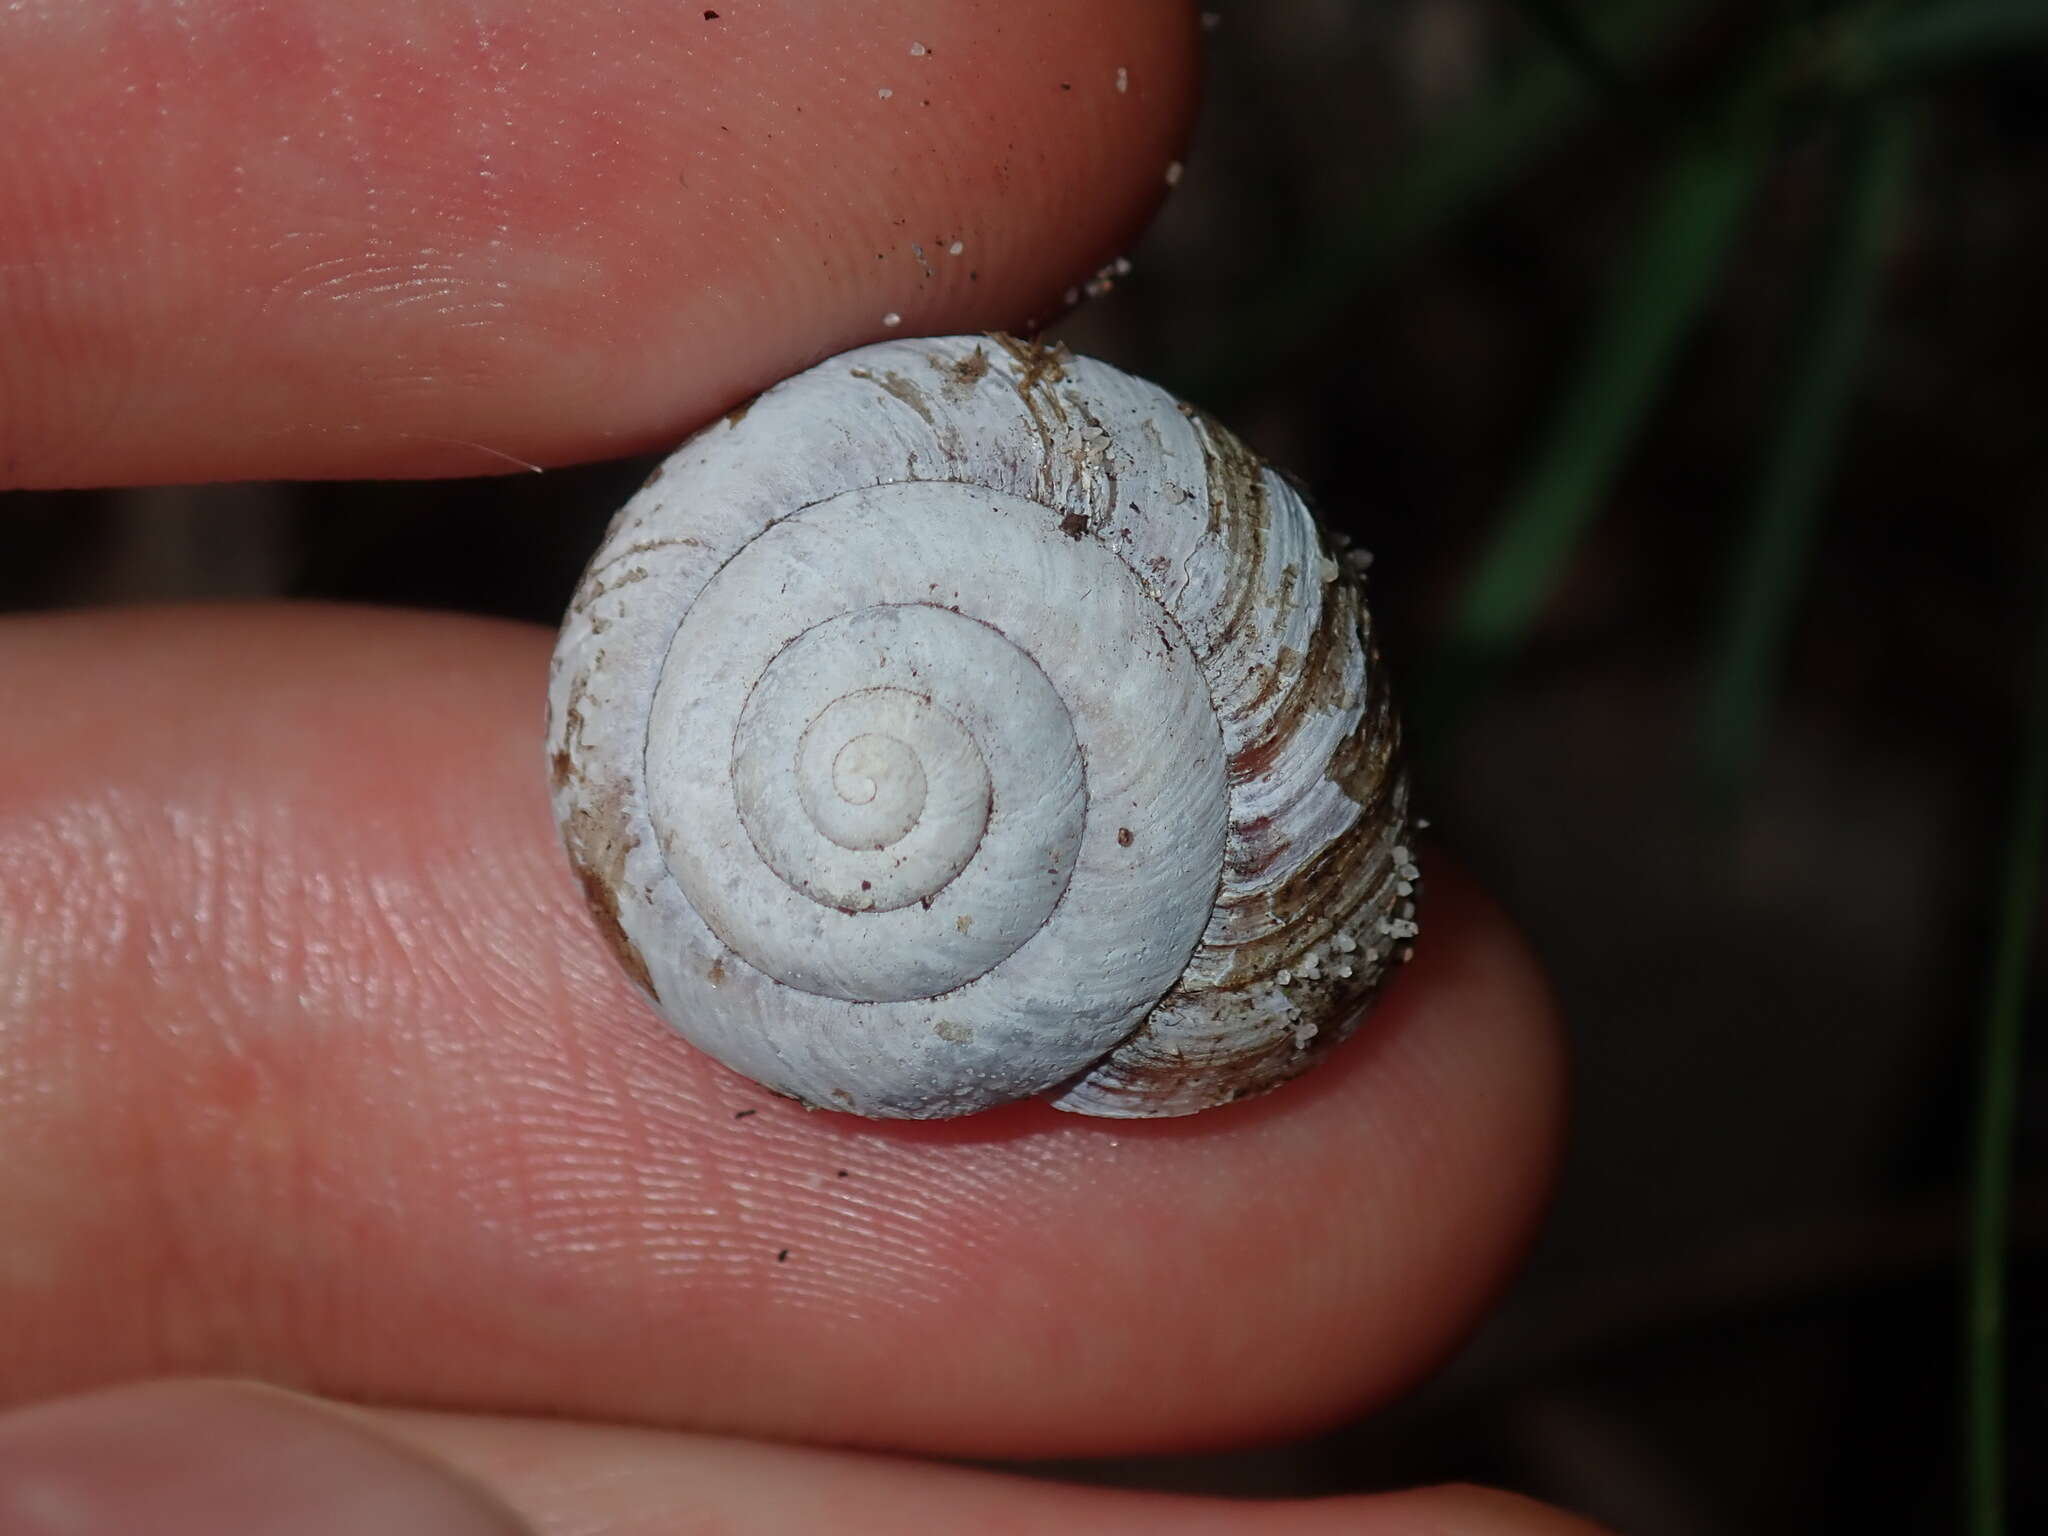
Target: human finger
414,237
597,1480
182,1458
312,1066
207,1459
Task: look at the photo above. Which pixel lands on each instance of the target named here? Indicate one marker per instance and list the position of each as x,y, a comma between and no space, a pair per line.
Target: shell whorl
963,721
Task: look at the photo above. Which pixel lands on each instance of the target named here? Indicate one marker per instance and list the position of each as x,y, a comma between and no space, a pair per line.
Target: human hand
311,1068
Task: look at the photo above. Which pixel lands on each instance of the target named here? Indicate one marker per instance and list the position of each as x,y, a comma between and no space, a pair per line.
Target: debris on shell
842,624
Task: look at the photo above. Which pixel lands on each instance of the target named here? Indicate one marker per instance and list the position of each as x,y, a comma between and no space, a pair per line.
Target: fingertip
214,1458
373,1033
1467,1509
398,239
605,1481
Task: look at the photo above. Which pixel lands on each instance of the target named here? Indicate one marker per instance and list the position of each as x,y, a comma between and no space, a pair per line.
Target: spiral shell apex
963,721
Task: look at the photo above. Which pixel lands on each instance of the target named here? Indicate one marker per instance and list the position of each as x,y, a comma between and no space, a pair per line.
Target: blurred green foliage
1857,74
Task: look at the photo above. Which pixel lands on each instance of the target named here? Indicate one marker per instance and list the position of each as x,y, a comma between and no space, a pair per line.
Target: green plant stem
1665,281
1663,285
1790,491
1464,161
1998,1112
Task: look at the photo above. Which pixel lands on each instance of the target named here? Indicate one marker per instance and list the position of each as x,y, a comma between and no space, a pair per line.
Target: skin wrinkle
496,132
142,1456
611,1482
574,1208
445,224
89,914
340,1152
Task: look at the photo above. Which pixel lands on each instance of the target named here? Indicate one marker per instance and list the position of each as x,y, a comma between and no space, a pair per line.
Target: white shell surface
962,721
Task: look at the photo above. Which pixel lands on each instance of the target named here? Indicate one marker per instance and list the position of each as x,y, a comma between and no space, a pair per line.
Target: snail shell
962,721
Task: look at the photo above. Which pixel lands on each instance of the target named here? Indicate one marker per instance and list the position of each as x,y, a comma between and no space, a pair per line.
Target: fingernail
220,1459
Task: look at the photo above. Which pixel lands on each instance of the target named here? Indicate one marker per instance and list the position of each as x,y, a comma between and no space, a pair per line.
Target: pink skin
405,237
150,1458
312,1067
329,1079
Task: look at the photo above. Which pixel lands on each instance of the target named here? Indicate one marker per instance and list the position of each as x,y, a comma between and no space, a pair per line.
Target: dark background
1742,1314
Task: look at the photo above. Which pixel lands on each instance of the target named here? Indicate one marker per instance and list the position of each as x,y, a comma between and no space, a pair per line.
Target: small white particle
1411,872
1422,823
1346,944
1344,971
885,93
1285,978
1327,568
918,50
1400,853
1122,266
956,248
892,318
1174,170
1407,953
1073,297
1403,888
1303,1033
1123,80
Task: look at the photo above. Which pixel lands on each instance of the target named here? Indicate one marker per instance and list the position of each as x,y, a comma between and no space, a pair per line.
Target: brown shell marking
1351,876
597,855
